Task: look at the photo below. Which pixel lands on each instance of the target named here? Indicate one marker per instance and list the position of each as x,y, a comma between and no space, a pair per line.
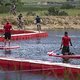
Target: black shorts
7,36
65,49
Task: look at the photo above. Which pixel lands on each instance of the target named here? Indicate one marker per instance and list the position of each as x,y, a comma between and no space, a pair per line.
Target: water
25,76
38,48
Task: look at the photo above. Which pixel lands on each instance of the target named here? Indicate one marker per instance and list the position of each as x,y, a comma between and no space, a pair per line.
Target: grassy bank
48,22
72,12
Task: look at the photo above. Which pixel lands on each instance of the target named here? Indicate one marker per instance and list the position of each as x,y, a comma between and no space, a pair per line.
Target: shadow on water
66,60
38,41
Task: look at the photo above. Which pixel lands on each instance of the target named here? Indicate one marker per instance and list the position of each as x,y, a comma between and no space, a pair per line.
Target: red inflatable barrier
23,35
45,67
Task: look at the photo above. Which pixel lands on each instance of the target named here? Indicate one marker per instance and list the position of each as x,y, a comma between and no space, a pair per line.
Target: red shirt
66,40
7,27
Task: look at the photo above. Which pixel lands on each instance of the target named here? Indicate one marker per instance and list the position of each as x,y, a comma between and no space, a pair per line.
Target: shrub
12,20
3,21
53,11
46,14
62,13
28,22
30,13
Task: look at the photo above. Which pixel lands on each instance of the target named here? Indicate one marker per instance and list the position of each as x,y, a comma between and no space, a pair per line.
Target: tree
9,1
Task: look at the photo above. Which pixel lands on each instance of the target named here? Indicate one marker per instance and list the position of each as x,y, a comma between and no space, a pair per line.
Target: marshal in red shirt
66,40
7,27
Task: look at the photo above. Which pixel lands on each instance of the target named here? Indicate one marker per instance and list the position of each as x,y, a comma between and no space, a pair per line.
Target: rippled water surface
38,48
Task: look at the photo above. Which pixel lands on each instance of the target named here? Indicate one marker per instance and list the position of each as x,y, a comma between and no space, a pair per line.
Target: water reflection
66,60
38,41
7,52
24,75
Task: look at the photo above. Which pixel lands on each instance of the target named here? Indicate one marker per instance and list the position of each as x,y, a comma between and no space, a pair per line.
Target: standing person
38,21
7,33
66,40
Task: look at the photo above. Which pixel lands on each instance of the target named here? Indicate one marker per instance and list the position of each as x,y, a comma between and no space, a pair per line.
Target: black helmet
66,33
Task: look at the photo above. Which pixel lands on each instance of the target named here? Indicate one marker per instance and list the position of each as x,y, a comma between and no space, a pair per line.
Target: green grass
72,12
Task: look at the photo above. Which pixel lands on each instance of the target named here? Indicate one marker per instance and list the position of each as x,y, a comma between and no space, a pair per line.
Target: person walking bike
20,22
